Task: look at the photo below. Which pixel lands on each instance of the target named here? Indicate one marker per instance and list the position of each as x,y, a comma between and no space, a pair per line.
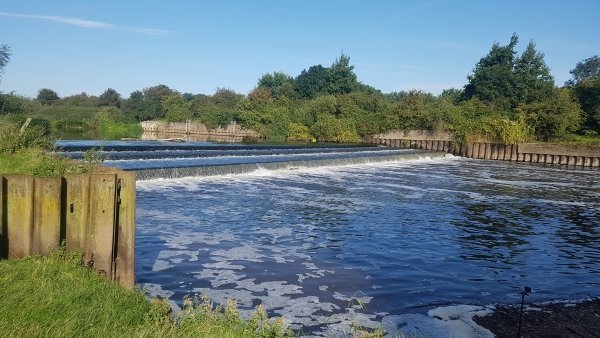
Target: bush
299,133
12,140
553,119
331,129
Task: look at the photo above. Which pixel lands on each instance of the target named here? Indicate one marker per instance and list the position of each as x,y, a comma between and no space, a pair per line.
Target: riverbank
558,319
55,296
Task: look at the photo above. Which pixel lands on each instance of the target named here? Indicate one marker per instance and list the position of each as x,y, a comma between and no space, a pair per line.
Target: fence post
3,232
102,221
125,241
19,208
46,214
77,203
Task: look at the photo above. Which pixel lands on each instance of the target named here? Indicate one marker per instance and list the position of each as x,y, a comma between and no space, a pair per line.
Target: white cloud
87,23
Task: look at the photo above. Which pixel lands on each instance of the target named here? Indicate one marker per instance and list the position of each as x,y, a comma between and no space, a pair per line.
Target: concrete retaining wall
93,214
190,131
553,154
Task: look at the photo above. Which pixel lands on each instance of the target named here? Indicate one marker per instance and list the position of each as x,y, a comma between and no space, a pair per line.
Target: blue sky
198,46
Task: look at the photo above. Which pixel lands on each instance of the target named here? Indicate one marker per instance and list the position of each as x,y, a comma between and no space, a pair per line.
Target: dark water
372,243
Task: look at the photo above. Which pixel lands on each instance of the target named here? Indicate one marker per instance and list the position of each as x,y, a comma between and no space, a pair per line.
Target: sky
199,46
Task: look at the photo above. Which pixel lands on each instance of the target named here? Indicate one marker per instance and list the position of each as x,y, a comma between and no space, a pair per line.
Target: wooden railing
91,213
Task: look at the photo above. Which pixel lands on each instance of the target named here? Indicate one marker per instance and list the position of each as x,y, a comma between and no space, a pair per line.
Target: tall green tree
585,70
340,77
109,97
153,97
507,80
279,84
586,87
493,79
532,76
311,82
47,96
135,106
4,58
588,93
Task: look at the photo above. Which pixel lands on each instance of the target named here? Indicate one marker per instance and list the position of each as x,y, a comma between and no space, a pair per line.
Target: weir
211,170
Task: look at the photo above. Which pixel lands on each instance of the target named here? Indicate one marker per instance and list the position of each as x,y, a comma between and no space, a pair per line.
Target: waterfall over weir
210,170
159,160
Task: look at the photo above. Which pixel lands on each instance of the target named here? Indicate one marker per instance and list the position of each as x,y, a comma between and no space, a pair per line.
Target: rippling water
376,244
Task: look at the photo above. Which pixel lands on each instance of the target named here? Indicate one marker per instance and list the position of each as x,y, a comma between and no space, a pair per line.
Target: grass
41,163
38,162
580,140
55,296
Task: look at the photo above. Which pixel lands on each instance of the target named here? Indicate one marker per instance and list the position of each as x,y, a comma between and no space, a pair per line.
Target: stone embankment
190,131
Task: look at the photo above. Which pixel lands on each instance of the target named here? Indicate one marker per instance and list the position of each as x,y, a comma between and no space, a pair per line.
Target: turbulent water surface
371,244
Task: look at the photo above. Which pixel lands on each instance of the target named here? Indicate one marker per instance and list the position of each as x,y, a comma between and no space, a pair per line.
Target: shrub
12,140
299,133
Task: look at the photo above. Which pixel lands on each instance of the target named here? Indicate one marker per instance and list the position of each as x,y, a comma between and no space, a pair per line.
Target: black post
524,293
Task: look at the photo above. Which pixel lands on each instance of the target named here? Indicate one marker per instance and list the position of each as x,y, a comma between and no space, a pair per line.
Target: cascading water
374,237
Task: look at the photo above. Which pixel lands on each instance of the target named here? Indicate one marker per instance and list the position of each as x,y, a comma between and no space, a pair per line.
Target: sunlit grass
55,296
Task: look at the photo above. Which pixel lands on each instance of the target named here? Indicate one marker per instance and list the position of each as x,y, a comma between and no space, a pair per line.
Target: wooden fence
579,156
91,213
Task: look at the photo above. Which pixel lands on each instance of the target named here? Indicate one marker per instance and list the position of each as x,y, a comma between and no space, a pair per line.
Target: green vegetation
27,152
55,296
509,97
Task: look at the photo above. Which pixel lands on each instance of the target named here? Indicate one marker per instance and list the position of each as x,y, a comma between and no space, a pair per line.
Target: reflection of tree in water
492,231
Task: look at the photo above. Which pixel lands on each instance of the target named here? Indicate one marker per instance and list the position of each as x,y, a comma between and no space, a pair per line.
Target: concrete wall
414,135
552,154
93,214
190,131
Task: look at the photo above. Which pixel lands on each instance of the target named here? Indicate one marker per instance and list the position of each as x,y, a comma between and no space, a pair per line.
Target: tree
587,91
586,88
493,79
135,106
153,97
585,70
532,76
279,84
81,99
176,109
47,96
554,118
4,57
507,80
340,77
311,82
110,97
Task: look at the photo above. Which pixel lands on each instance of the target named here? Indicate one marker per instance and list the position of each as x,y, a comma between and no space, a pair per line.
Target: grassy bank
38,162
55,296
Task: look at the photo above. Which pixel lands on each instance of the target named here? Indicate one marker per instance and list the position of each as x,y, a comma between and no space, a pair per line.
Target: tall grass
55,296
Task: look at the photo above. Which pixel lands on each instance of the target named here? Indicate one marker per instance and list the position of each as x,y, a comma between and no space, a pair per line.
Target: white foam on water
165,184
442,322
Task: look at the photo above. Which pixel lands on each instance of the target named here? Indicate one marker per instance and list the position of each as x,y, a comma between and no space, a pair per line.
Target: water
377,243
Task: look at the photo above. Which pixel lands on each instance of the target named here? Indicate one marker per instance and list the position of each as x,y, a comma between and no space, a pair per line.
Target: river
366,241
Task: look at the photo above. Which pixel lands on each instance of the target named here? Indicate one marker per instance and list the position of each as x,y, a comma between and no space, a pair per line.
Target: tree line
509,97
